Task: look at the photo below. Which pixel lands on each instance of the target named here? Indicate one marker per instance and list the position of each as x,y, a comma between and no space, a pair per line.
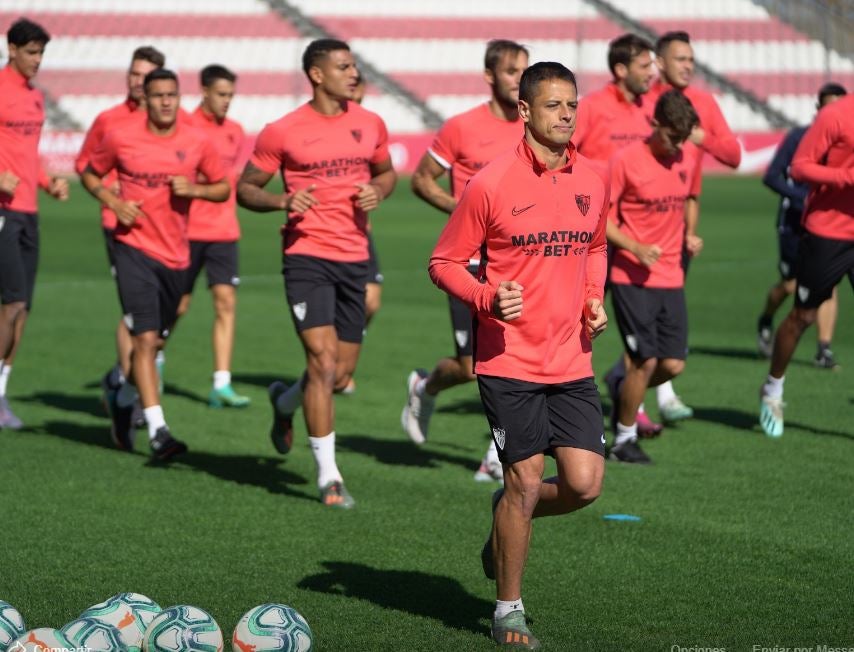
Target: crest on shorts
632,343
583,203
181,154
683,176
462,338
357,135
499,435
300,310
803,293
2,222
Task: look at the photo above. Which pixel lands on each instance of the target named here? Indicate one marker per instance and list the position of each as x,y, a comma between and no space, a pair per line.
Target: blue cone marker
621,517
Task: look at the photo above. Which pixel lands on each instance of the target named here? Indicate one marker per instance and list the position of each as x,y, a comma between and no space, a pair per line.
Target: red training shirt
546,230
470,140
146,164
648,204
719,140
825,160
21,120
333,153
105,122
217,221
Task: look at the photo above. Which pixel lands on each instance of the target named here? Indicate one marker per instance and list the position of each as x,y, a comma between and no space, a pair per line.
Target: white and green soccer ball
11,624
93,634
43,639
272,628
130,613
183,628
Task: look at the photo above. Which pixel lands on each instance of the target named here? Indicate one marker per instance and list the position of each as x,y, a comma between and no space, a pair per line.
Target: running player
610,119
21,119
540,213
144,59
334,160
652,183
213,231
464,145
824,160
158,161
792,196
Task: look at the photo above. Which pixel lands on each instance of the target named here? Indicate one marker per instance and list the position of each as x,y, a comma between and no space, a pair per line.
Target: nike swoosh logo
519,211
756,160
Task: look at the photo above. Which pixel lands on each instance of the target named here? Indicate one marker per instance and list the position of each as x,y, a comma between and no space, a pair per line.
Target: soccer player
825,160
213,231
792,196
610,119
464,145
334,160
652,183
158,161
144,59
540,214
21,119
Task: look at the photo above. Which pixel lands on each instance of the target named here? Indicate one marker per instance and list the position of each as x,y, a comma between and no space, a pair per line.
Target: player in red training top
21,174
144,59
158,161
824,160
214,230
652,183
540,213
464,145
334,160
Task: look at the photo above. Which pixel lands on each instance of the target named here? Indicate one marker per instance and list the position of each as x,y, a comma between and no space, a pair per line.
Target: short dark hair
625,48
675,111
539,72
668,37
159,74
320,49
213,72
497,48
25,31
150,54
830,89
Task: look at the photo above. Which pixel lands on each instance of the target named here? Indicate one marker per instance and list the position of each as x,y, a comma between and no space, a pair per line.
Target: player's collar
524,151
16,77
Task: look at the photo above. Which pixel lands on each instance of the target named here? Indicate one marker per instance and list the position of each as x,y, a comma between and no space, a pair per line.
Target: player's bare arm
595,318
693,242
215,192
251,193
383,180
507,304
8,182
647,254
127,212
425,186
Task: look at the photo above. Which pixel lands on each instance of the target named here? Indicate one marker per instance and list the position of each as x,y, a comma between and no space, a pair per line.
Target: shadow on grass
171,389
462,406
261,380
97,435
749,422
401,453
81,403
420,594
726,352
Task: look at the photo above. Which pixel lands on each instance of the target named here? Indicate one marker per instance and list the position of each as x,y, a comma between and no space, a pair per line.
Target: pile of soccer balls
131,622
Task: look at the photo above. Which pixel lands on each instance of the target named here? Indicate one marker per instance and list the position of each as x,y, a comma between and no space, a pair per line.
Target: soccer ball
272,628
130,613
95,634
42,639
11,624
183,629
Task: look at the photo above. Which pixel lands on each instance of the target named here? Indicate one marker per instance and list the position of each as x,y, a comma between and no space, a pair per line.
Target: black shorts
110,242
461,323
374,273
324,292
788,265
527,418
219,260
653,322
19,256
148,290
822,263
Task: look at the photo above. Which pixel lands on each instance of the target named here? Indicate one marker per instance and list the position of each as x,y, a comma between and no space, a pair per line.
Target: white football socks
323,449
5,372
773,387
504,607
155,419
665,393
221,379
626,433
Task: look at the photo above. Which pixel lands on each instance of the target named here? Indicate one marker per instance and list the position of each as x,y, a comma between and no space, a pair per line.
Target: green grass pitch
743,540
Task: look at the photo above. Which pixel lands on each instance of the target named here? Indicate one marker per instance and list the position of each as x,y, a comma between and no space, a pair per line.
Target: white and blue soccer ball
11,624
183,628
93,634
130,613
272,628
42,639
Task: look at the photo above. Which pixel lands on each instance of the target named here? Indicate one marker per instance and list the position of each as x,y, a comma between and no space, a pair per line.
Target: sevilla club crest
181,154
683,176
583,203
357,135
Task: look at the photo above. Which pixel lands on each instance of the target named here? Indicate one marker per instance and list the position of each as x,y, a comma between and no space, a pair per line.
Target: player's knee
322,366
12,311
673,367
147,343
225,303
183,306
584,488
803,318
372,305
